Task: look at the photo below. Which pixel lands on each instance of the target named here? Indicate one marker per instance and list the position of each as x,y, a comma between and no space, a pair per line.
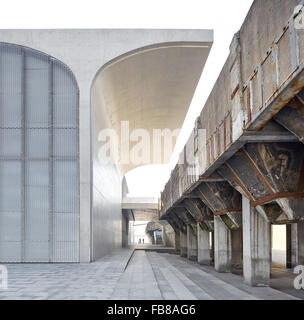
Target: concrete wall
168,236
257,33
255,37
125,230
107,184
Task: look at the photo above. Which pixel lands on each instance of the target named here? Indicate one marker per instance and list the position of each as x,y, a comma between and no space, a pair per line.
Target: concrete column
164,236
295,244
191,244
222,246
130,234
183,244
177,242
203,246
256,246
237,249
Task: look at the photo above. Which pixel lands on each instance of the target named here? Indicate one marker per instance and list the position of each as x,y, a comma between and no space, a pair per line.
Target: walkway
147,275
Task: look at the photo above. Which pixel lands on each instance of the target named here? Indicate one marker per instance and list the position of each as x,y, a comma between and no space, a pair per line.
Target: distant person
143,241
139,241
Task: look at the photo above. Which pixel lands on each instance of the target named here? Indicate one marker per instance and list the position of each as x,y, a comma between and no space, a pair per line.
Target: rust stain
248,105
283,195
296,104
257,171
220,213
235,91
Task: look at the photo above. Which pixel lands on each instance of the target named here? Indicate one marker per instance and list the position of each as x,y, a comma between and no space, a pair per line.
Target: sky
224,17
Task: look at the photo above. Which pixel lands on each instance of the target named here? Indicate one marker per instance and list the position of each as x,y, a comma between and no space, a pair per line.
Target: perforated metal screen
39,158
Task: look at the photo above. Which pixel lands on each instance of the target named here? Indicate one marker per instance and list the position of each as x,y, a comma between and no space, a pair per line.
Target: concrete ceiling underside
145,215
152,88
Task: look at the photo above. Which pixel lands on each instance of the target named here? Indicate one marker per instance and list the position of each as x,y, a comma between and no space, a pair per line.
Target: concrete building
248,175
59,89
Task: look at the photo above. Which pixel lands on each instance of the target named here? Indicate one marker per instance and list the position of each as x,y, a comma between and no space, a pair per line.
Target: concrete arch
151,88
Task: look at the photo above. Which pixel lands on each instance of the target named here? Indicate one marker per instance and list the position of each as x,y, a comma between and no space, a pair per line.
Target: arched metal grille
39,158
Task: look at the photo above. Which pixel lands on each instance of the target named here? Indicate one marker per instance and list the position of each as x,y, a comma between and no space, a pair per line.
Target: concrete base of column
256,246
295,244
183,244
237,249
191,243
222,246
177,242
203,246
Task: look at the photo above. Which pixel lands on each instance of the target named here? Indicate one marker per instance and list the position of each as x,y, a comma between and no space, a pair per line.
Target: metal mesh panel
39,158
37,209
37,90
10,211
66,220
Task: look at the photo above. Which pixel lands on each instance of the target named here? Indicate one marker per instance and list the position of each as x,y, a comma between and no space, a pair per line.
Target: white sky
224,16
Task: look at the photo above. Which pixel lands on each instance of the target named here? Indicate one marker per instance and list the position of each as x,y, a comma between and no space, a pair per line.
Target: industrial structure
249,172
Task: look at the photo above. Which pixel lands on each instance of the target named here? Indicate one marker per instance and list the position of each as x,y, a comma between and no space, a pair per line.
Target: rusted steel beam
206,201
235,91
275,196
215,197
257,171
239,182
225,211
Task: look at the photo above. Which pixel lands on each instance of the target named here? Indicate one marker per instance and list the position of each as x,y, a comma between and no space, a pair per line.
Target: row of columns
249,246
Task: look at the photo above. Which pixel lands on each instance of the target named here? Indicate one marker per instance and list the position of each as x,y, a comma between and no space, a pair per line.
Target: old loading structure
249,172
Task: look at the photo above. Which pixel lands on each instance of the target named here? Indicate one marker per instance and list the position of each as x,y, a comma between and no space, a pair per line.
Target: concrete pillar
130,233
295,244
177,242
237,249
203,246
183,244
256,246
191,244
164,236
222,246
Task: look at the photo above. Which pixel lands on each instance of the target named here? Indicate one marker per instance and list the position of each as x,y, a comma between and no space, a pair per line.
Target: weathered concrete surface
292,116
183,244
222,246
237,249
254,129
295,244
203,246
256,246
191,242
258,80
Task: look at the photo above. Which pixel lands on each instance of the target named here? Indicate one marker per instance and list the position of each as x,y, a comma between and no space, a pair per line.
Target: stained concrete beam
291,117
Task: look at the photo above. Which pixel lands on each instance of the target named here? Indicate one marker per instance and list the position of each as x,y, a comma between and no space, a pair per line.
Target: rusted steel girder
271,176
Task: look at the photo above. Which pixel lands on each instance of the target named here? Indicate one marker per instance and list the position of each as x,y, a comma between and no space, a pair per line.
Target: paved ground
147,275
66,281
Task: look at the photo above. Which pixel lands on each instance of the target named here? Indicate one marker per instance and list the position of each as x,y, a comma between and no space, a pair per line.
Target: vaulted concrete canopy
152,88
